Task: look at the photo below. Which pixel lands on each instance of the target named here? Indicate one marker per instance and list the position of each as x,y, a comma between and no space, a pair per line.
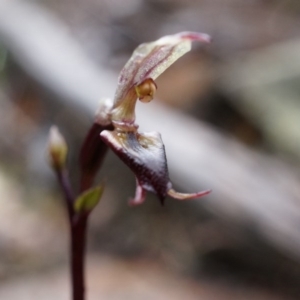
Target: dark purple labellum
145,155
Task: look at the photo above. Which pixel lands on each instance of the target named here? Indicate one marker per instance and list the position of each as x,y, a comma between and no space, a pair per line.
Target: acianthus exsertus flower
144,153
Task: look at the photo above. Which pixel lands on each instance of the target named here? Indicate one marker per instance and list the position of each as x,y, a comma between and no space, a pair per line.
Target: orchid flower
143,153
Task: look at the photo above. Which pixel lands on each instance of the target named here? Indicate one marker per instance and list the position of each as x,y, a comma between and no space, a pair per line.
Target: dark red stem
78,228
64,181
78,241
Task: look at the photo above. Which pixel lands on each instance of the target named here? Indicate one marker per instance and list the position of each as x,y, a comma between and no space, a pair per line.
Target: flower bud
57,149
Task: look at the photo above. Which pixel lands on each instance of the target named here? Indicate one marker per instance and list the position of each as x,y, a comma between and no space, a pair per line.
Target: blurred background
229,114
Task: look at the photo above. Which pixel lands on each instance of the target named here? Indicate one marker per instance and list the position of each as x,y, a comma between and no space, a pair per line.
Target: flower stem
78,241
78,227
64,181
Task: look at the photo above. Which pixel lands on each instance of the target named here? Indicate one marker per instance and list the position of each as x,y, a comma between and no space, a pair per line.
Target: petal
140,195
180,196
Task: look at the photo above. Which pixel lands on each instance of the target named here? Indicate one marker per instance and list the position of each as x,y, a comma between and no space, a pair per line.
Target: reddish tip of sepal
195,36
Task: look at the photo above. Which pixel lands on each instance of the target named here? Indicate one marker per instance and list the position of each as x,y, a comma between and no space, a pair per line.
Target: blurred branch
248,187
266,84
43,46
